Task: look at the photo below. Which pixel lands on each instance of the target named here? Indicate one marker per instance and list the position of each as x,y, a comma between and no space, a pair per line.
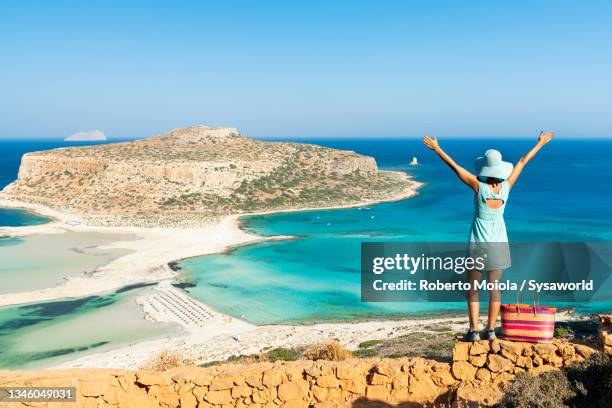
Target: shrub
284,354
549,389
584,384
331,350
166,360
564,333
592,379
364,353
370,343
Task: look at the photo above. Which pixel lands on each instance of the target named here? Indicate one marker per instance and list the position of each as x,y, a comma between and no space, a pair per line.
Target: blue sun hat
492,165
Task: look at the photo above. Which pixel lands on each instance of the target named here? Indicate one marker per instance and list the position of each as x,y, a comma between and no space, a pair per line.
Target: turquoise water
45,334
563,195
41,261
11,217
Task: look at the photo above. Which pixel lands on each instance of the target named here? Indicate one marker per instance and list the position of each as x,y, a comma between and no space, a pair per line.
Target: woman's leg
472,299
494,299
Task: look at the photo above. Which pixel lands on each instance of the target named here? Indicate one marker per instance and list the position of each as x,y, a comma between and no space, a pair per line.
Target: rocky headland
191,176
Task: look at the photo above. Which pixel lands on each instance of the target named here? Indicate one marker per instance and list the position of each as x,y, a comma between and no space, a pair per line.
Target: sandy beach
152,249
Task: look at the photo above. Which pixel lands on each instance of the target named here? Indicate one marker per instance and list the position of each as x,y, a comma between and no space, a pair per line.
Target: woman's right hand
431,143
545,138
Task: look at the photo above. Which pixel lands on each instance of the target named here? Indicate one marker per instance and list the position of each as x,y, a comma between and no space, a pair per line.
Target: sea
563,195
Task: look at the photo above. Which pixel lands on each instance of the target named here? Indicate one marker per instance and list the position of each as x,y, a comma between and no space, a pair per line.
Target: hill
192,175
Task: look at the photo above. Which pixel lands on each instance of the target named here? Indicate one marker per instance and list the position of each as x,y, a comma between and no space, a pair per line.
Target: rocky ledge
477,377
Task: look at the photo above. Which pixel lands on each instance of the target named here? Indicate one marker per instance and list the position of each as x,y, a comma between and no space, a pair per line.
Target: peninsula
191,176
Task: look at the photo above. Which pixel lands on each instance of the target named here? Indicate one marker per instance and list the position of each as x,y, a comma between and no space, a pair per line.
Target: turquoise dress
488,233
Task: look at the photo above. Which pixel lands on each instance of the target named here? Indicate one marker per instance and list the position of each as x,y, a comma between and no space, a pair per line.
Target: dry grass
168,359
331,350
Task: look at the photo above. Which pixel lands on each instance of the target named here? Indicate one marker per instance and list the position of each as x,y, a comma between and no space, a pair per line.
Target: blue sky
306,68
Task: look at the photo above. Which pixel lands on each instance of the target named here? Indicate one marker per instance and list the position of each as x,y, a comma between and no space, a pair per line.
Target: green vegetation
365,353
284,354
564,333
370,343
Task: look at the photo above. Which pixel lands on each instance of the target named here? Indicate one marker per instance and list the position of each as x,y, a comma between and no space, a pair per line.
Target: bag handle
519,297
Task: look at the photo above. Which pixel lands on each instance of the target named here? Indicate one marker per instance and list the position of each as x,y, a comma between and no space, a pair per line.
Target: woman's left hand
431,143
545,138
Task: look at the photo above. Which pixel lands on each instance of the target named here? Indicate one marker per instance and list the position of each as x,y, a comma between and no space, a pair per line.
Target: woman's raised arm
468,178
520,165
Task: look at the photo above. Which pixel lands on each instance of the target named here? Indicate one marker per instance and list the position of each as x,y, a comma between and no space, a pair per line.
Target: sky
306,68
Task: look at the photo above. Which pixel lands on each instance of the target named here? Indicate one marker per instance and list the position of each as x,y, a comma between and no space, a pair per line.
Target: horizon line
272,138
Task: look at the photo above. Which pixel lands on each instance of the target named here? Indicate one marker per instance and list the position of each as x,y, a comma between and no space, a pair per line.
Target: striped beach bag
530,323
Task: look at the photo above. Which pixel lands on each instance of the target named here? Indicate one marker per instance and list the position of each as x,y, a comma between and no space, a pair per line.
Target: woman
488,232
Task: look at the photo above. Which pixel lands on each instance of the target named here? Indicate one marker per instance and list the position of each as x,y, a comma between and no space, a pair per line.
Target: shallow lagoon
45,334
42,261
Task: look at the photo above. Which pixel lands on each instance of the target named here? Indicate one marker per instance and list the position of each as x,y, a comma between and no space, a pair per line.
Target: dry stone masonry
477,375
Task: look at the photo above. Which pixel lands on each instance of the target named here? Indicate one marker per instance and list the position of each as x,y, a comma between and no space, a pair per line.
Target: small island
88,136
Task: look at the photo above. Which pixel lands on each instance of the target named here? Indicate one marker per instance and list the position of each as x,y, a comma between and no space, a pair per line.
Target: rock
188,401
400,381
169,399
92,388
241,391
221,382
132,401
272,377
264,396
524,362
537,360
461,351
504,377
152,378
289,391
199,393
470,395
295,404
509,355
345,371
483,374
554,360
462,370
443,378
219,397
377,379
480,347
584,351
423,389
355,386
495,346
541,369
545,349
478,360
512,347
378,392
497,363
328,381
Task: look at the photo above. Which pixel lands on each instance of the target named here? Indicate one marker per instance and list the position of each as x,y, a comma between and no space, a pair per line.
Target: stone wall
605,332
477,375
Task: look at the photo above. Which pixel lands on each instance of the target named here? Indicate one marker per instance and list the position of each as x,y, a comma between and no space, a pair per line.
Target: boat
414,161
